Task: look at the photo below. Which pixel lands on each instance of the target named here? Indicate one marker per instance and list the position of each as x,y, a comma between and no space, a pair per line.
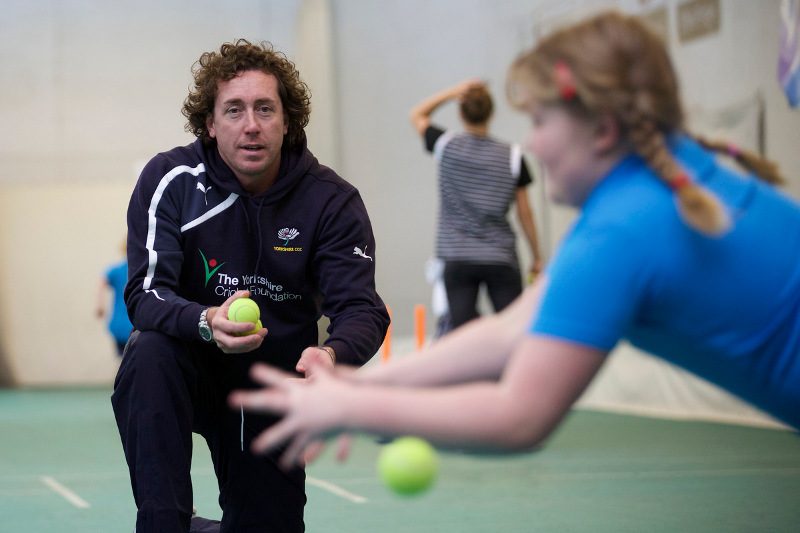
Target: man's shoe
203,525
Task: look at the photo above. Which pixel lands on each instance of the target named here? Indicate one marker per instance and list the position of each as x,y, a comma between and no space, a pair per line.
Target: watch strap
203,326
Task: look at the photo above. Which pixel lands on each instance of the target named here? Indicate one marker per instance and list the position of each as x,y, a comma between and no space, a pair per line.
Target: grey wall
94,87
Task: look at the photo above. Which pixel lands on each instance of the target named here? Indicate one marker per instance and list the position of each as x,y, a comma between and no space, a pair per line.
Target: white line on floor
335,489
67,494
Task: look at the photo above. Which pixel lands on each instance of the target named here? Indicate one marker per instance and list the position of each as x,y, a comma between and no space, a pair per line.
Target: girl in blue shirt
671,251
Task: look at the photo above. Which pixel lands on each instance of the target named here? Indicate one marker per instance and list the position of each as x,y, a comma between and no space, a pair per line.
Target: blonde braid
762,167
699,208
613,64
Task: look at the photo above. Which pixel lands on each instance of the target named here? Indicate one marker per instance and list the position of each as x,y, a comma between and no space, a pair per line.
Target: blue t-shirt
726,309
119,325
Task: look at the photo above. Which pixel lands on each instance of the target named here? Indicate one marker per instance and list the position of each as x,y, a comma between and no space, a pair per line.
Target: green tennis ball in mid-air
408,465
245,310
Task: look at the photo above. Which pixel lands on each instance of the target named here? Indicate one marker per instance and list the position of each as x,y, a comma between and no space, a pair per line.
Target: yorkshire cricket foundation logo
286,235
210,266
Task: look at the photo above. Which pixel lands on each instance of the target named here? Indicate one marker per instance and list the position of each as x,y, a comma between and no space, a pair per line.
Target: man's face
249,124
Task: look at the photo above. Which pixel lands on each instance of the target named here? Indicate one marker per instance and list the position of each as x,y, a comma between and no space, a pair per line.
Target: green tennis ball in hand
256,329
245,310
408,465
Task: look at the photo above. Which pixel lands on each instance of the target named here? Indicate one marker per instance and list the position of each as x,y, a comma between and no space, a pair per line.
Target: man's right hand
421,113
226,332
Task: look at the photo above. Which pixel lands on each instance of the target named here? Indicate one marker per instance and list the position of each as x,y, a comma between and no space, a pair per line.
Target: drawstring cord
255,270
241,407
258,239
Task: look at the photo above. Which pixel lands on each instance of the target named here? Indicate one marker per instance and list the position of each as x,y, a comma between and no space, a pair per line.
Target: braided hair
613,64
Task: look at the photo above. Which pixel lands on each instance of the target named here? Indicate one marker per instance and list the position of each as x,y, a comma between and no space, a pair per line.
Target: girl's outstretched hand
311,408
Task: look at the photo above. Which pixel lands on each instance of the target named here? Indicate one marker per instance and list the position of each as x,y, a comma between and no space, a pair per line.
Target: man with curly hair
244,211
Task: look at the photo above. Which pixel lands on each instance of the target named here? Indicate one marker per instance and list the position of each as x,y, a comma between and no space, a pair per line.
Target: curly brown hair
235,58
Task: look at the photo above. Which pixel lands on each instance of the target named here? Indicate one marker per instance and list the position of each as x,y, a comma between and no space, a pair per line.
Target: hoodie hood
295,163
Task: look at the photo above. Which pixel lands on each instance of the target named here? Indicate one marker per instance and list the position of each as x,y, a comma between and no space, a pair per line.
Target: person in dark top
245,210
480,177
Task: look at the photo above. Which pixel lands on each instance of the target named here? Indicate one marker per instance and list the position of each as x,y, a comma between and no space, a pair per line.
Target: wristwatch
205,330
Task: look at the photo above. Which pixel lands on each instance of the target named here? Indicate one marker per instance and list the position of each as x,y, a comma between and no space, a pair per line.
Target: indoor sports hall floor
62,470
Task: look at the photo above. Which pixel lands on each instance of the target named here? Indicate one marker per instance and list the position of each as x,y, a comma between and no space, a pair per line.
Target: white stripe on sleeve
152,255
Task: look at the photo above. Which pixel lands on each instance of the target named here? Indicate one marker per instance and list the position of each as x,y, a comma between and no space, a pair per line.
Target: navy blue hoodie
302,248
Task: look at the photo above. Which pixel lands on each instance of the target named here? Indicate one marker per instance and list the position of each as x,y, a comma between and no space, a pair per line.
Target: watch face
205,333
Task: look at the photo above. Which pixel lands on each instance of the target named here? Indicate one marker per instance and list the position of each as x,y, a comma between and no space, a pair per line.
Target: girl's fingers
343,447
261,401
273,437
293,455
312,451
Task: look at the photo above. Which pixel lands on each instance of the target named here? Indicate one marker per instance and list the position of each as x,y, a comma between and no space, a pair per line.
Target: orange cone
419,325
386,349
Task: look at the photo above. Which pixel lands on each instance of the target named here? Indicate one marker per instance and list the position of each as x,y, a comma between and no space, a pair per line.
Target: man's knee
153,349
152,361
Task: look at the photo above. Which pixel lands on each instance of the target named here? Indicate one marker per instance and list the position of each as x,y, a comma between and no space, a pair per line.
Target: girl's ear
607,133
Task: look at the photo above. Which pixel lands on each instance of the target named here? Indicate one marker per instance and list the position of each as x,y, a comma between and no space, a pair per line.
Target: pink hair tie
564,81
679,182
734,151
